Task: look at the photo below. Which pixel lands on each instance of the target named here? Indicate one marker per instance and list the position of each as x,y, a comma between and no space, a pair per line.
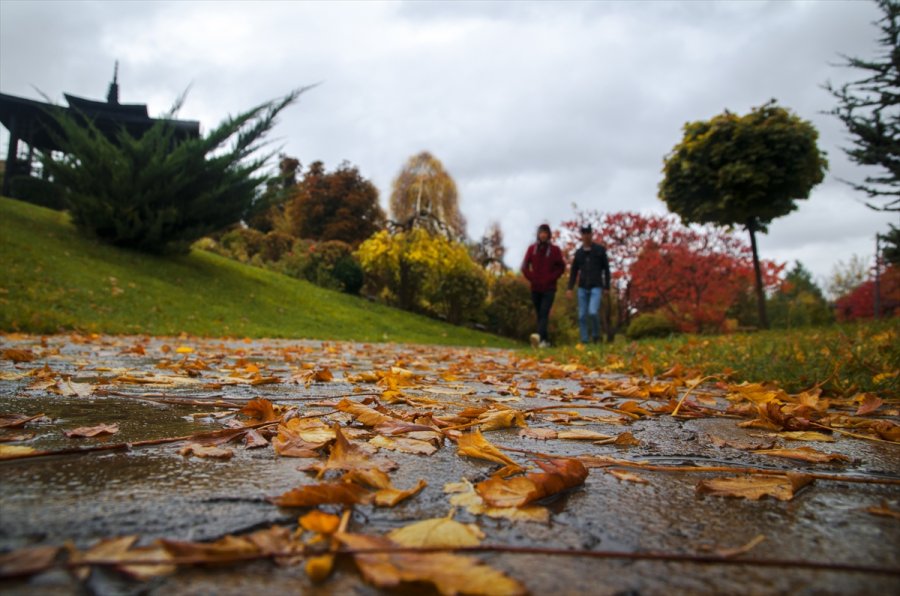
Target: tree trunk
760,295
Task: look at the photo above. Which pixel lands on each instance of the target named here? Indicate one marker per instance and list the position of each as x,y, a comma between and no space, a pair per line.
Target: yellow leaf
464,495
581,434
475,445
184,350
404,445
437,532
756,487
807,435
206,452
630,477
805,454
13,451
318,568
320,522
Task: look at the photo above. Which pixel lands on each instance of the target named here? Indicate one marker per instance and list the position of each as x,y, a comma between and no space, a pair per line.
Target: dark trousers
542,303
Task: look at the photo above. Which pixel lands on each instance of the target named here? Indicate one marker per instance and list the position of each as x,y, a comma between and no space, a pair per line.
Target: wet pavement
154,492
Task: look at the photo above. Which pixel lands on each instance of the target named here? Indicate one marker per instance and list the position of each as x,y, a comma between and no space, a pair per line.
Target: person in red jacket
543,266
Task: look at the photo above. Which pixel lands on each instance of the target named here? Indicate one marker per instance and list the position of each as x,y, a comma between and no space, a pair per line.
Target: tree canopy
424,195
870,109
338,205
155,194
743,170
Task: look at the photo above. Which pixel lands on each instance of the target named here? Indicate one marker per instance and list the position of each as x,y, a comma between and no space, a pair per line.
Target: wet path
154,492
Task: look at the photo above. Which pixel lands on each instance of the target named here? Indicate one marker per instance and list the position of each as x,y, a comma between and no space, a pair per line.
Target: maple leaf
437,532
312,495
559,475
449,573
259,409
92,431
386,495
27,561
805,454
206,452
755,487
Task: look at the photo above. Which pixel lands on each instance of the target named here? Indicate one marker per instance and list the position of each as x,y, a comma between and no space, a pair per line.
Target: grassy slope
54,279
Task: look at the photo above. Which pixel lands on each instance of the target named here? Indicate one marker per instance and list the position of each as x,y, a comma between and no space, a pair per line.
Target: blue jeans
588,313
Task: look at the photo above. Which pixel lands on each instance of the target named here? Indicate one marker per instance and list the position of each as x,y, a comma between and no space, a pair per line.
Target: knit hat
543,228
587,229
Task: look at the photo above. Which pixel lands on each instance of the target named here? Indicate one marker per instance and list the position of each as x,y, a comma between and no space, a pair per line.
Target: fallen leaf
68,388
869,404
449,573
628,476
363,414
541,434
92,431
807,435
475,445
16,420
320,522
559,475
10,437
582,434
404,445
463,495
14,451
755,487
206,451
441,532
317,375
347,456
386,494
494,420
27,561
805,454
17,355
254,440
311,495
223,550
259,409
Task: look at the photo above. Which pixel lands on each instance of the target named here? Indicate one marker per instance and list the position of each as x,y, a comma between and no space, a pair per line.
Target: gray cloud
530,105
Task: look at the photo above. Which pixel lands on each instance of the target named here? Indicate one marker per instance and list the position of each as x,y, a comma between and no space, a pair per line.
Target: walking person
590,268
543,266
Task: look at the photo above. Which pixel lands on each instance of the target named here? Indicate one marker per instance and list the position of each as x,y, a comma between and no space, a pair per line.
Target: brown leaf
16,420
259,409
11,436
18,355
222,550
312,495
559,475
393,426
92,431
755,487
449,573
541,434
805,454
316,375
206,452
254,440
869,404
69,388
27,561
387,495
349,456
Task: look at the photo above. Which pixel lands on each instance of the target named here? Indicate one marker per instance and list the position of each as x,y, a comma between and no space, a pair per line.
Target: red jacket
543,265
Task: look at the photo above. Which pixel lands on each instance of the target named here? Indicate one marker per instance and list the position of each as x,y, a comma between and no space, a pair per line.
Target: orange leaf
27,561
475,445
320,522
17,355
259,409
559,475
363,414
311,495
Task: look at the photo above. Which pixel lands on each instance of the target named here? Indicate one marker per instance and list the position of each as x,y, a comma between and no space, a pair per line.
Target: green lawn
841,359
54,279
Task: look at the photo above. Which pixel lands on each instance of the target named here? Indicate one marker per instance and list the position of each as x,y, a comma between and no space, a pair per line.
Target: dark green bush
650,325
37,191
509,311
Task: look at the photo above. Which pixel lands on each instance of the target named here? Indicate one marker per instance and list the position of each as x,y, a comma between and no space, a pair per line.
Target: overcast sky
531,106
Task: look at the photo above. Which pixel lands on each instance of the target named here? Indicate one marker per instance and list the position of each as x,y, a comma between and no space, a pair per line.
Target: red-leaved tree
692,274
859,303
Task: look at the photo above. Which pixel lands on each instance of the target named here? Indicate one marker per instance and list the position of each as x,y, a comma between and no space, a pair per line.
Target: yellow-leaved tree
424,196
417,270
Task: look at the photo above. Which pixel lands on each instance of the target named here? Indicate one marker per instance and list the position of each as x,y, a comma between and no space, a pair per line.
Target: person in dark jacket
590,267
543,266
